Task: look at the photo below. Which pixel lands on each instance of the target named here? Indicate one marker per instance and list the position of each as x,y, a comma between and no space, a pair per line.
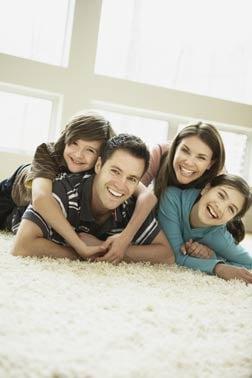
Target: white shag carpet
63,319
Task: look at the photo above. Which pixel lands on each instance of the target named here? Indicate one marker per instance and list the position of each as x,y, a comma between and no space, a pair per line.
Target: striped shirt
73,193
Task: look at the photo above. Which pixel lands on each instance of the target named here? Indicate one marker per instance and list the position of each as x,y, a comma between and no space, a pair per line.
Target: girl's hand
196,249
229,272
117,246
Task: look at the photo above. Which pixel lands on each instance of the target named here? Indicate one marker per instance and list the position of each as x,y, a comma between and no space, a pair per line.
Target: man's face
116,180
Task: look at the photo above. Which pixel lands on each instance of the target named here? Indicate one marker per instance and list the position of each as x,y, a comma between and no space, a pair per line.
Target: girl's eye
75,143
202,158
221,195
231,209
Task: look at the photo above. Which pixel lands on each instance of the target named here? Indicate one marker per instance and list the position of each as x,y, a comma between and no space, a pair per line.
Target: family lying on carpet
89,199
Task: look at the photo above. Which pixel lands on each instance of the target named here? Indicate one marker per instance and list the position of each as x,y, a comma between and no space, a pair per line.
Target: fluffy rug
63,319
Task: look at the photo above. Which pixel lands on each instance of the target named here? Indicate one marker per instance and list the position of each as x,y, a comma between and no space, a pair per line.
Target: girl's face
218,205
192,158
81,155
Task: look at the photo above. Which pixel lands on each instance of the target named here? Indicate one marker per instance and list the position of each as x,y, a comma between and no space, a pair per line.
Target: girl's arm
235,254
44,203
169,216
119,243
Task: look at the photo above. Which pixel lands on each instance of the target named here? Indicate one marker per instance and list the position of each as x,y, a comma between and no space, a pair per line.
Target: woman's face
218,205
192,158
81,155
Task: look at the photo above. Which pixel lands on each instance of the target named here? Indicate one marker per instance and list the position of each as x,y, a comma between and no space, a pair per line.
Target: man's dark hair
127,142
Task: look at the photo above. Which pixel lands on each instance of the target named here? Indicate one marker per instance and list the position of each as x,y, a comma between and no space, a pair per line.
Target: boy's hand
117,246
196,249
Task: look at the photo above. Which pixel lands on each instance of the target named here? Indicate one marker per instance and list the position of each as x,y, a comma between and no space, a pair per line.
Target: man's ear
205,189
98,165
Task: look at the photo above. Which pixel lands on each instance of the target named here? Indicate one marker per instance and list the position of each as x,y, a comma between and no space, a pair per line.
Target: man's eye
133,180
115,171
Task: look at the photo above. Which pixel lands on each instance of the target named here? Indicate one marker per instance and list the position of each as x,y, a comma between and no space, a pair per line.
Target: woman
195,156
204,217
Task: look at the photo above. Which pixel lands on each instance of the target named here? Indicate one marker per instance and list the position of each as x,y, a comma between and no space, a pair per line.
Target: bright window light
37,29
235,147
203,47
151,131
25,122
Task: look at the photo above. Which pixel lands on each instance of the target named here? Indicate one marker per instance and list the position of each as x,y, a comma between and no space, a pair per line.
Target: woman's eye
221,195
115,172
202,158
185,150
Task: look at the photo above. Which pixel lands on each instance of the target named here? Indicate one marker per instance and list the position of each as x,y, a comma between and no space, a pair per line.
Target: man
99,205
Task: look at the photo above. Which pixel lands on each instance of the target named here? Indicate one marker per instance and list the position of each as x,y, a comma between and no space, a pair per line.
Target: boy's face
218,205
116,180
81,155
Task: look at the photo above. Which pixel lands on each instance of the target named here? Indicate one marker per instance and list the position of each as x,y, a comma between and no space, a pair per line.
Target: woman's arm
119,243
44,203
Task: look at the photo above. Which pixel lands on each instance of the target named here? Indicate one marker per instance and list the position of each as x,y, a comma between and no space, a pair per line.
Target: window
151,131
38,30
186,45
235,147
26,121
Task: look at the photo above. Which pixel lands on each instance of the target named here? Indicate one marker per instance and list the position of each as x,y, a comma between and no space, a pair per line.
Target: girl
75,151
204,216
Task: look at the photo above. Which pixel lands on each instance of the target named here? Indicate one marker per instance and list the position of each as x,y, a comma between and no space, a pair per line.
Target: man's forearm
153,253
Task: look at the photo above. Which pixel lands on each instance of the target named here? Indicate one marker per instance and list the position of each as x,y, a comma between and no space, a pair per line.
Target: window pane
186,45
235,147
151,131
37,29
25,122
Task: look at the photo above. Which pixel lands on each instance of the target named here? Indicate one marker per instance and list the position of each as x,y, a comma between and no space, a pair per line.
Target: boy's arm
119,243
47,206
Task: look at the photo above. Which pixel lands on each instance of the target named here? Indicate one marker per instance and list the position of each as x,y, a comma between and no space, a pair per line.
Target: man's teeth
186,172
116,194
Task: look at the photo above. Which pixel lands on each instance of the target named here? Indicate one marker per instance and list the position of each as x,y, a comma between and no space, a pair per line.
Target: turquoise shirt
173,215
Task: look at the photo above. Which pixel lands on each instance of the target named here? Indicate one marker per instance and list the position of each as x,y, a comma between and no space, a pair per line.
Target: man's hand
196,249
229,272
117,246
92,246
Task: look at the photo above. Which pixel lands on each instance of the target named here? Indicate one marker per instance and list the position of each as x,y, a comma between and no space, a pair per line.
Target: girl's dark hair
86,126
235,226
211,137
